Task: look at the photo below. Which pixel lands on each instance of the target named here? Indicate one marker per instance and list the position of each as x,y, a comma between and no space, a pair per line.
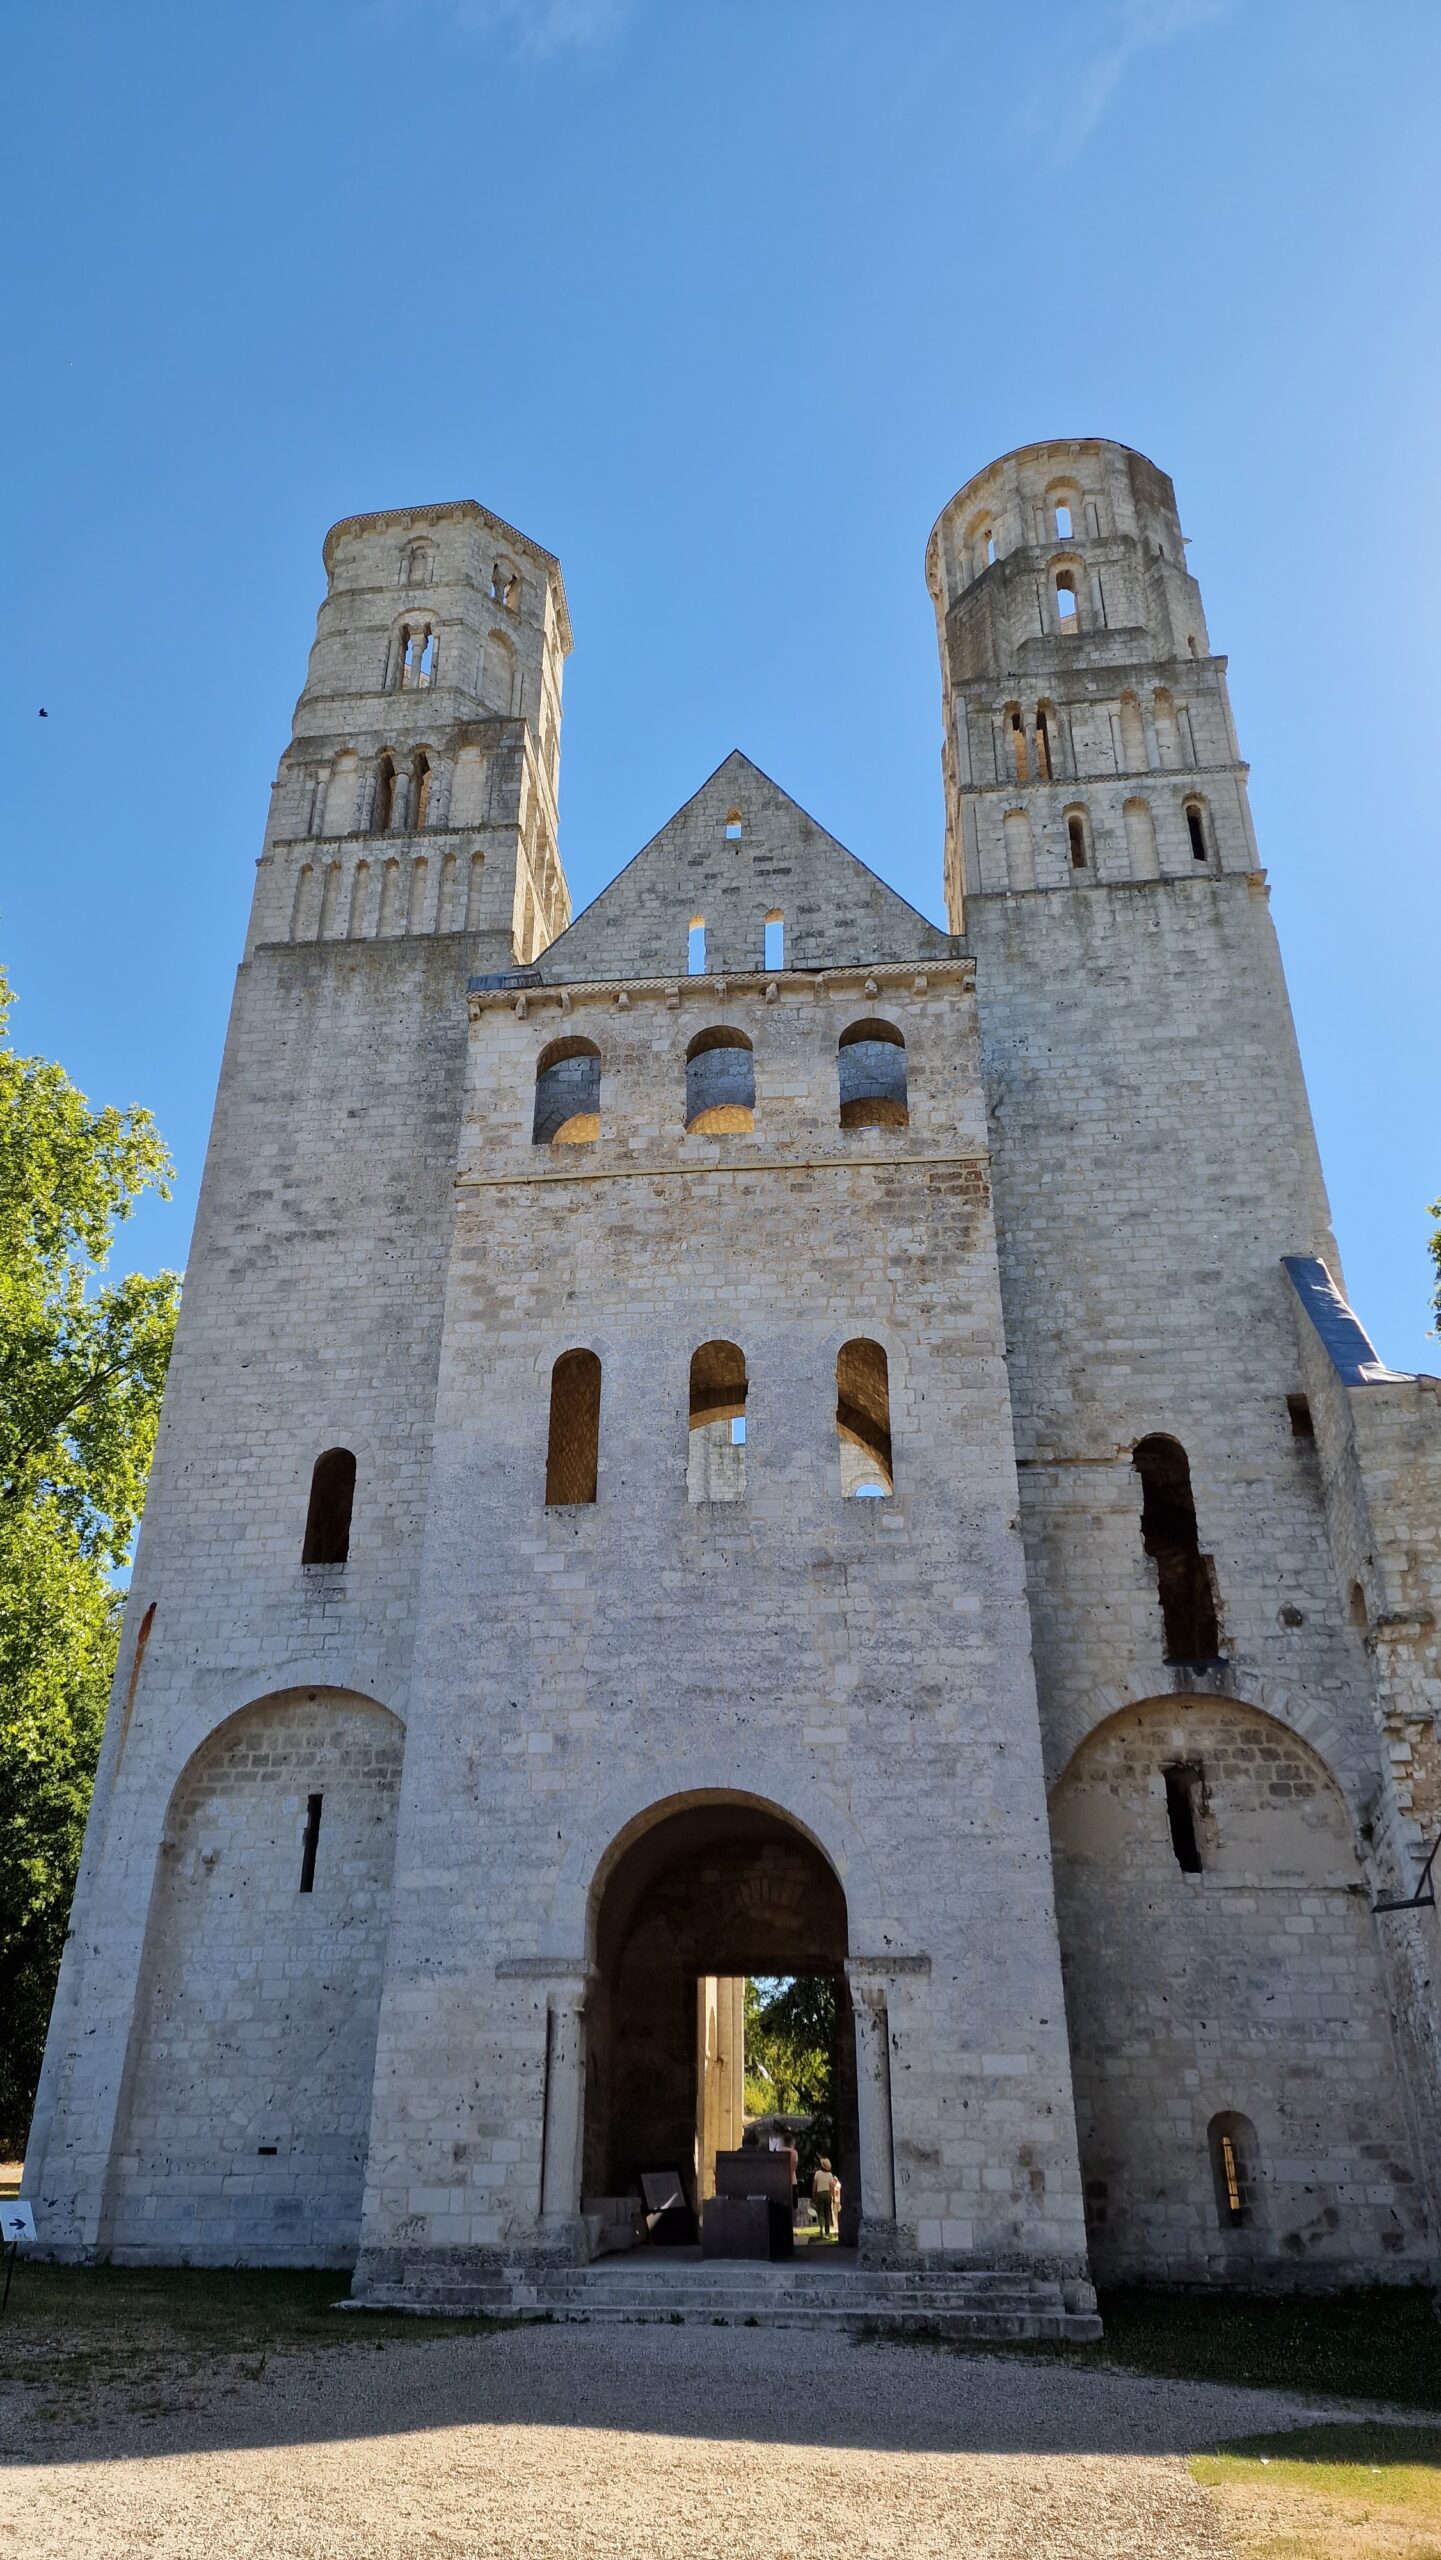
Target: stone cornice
522,994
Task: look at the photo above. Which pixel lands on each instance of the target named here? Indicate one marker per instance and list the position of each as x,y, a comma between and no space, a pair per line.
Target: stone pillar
564,2108
873,2107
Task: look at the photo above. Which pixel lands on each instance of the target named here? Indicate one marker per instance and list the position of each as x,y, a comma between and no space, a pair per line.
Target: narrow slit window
1063,520
1066,601
310,1843
332,1499
1076,839
1183,1788
1298,1409
1043,745
572,1457
695,948
720,1083
990,550
1196,830
1234,2158
1185,1581
716,1449
567,1095
863,1419
775,942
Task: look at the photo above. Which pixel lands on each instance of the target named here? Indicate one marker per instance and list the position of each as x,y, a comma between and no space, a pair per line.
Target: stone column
564,2107
873,2107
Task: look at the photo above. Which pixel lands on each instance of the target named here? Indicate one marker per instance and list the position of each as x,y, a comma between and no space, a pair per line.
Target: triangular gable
835,911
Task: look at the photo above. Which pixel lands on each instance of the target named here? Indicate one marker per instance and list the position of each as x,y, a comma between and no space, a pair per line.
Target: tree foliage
790,2027
82,1365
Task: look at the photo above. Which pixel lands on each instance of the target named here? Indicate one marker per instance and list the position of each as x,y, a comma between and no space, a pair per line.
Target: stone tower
747,1433
1158,1201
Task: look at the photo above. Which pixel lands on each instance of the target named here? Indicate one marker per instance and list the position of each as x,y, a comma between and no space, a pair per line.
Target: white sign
17,2220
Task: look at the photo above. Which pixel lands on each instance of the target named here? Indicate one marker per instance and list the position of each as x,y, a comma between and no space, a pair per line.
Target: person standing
826,2197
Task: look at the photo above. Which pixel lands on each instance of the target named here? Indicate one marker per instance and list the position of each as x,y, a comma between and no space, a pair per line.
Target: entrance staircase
825,2291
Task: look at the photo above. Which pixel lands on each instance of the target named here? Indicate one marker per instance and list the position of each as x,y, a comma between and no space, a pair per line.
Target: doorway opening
719,1914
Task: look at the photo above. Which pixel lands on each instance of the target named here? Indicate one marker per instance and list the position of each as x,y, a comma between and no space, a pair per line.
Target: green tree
82,1365
791,2025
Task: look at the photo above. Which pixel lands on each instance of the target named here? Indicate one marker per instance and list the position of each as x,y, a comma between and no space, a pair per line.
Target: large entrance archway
700,1895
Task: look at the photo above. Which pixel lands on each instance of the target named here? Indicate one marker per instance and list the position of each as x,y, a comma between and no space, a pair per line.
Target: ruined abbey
746,1433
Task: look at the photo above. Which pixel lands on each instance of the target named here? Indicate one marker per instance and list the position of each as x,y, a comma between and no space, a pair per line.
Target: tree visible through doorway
791,2026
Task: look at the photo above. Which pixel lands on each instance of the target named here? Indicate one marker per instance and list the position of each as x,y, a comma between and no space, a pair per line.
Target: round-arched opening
244,2128
720,1083
567,1095
1201,1851
705,1897
871,1061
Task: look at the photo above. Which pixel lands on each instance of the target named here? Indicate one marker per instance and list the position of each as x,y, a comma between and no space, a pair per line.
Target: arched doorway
700,1895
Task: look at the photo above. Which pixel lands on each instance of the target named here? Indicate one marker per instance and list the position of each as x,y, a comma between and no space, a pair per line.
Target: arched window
498,674
1044,761
1076,838
1063,520
695,948
417,655
567,1095
1235,2166
1184,1579
734,829
720,1083
1067,614
1196,830
774,945
1020,754
382,807
716,1451
504,585
420,777
417,565
863,1418
871,1058
1020,849
332,1496
572,1455
1133,735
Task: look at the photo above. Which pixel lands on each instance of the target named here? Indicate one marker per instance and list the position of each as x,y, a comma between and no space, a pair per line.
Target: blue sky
719,299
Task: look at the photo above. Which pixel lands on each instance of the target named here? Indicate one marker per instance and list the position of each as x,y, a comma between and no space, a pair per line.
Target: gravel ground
626,2444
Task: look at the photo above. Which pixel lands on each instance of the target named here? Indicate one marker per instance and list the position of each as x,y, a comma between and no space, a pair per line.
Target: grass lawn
1330,2493
133,2336
1379,2343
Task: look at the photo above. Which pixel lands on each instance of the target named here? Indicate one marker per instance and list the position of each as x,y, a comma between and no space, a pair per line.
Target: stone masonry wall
248,2105
1253,1987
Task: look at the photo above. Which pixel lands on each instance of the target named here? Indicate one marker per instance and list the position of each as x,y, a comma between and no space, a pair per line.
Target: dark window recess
312,1843
1302,1426
1183,1786
332,1495
1184,1579
572,1456
1197,833
268,2151
1076,838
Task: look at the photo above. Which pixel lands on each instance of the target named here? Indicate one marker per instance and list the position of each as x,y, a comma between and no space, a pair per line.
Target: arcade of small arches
720,1089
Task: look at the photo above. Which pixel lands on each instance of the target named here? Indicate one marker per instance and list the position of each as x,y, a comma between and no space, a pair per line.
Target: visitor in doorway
826,2197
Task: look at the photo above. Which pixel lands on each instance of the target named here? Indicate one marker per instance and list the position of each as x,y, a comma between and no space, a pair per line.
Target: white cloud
1132,28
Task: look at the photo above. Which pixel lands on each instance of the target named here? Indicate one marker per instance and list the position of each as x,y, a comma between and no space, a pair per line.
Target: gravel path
633,2444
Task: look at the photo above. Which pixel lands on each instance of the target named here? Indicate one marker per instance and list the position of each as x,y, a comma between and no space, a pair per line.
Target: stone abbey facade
748,1433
